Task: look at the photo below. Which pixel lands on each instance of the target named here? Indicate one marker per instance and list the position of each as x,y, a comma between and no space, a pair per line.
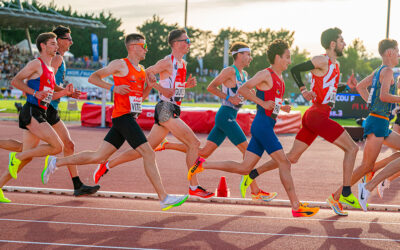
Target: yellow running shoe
305,211
161,147
336,206
244,184
196,168
350,200
2,198
264,196
13,165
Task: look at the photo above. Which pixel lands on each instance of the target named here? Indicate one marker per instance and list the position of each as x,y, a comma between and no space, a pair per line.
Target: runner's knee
69,146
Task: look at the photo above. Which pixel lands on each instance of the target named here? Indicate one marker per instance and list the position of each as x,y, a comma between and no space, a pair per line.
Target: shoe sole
202,198
45,168
334,209
176,205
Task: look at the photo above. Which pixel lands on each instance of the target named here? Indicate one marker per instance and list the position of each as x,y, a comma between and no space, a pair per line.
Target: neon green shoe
244,184
2,198
350,200
13,165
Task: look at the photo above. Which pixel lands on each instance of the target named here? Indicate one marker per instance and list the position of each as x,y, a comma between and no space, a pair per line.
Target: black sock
253,174
77,182
346,191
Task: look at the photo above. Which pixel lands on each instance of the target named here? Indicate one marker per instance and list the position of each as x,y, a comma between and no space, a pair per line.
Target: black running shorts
126,128
52,115
166,110
28,111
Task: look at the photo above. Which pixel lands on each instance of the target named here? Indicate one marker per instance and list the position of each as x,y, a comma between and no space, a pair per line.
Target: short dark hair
236,46
330,35
43,38
133,37
386,44
60,31
277,47
174,34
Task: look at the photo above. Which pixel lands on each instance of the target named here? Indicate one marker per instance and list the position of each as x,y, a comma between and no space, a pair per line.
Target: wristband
112,88
34,92
227,97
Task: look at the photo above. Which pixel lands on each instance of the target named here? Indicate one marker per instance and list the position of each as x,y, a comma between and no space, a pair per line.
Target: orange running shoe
100,171
368,177
196,168
161,147
305,211
264,196
336,206
201,193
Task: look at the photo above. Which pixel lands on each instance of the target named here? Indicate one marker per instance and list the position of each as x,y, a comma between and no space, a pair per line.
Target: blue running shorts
377,126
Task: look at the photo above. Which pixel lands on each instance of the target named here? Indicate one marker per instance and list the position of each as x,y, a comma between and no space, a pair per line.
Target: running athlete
230,79
64,41
270,89
37,80
316,122
172,71
129,79
381,99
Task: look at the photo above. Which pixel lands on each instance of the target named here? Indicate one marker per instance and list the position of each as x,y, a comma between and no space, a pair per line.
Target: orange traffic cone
222,190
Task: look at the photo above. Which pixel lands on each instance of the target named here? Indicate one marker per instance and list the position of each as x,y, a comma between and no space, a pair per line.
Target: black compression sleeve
296,70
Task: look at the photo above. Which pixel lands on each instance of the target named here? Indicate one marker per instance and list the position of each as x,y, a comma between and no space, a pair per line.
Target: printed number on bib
49,97
370,96
278,104
180,91
136,104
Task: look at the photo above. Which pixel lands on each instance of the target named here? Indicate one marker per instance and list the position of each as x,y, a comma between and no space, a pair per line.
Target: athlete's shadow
285,233
374,227
334,243
209,238
94,235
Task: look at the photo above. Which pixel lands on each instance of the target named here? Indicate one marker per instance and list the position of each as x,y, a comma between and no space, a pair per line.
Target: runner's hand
308,95
191,82
69,89
235,100
76,94
168,93
151,80
352,82
269,105
122,89
40,95
286,108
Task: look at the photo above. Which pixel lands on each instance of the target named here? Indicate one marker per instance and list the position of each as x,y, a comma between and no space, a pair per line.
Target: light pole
186,5
388,20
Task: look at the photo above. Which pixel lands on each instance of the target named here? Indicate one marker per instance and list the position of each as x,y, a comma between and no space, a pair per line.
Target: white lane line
201,230
207,214
69,245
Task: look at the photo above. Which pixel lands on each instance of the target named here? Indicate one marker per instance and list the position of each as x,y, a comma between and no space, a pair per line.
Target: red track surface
36,217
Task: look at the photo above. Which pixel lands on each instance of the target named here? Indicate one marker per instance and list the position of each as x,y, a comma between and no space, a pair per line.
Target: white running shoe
172,201
385,184
49,168
363,195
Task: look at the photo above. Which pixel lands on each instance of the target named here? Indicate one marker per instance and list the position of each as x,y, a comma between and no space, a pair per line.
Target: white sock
193,188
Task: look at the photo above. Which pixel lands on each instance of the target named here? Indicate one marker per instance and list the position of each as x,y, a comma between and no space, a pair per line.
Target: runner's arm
18,81
296,73
362,87
387,80
262,78
224,76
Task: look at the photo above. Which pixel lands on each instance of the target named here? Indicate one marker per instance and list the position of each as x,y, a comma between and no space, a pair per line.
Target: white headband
241,50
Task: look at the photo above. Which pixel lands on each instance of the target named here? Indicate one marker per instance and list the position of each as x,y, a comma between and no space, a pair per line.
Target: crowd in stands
85,62
12,60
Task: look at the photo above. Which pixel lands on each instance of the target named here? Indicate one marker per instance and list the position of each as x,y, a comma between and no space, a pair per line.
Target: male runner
270,89
37,80
129,79
315,121
381,101
172,71
230,79
64,41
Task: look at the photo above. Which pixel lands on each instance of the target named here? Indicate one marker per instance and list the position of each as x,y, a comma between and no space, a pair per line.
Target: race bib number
277,108
136,104
179,89
49,97
332,96
370,96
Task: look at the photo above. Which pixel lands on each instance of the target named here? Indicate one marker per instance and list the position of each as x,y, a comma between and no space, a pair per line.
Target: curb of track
222,200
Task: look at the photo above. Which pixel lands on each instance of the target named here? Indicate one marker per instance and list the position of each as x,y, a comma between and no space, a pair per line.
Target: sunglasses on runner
143,45
184,40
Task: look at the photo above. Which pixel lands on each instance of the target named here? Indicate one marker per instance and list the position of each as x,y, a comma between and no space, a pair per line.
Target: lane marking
70,245
201,230
206,214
